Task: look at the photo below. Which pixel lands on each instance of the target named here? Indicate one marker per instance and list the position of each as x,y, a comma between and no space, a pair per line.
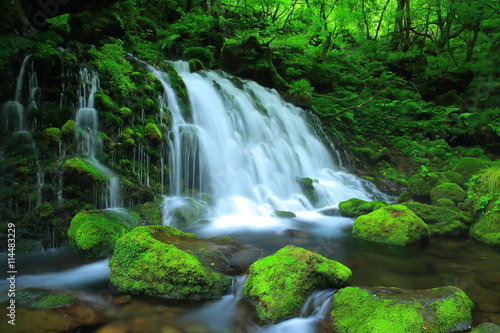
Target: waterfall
244,147
89,143
14,116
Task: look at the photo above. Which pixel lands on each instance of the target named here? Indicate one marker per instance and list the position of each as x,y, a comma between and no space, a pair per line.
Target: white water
245,148
88,140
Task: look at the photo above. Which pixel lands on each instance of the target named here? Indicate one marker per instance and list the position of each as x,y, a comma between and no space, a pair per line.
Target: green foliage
110,61
278,285
43,299
301,90
201,53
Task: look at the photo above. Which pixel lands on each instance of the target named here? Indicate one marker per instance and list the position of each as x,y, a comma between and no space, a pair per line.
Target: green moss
150,213
43,299
420,185
393,224
94,232
487,228
381,309
196,65
278,284
52,136
446,203
440,220
105,103
448,191
152,133
284,214
142,264
306,184
68,130
84,168
355,207
469,166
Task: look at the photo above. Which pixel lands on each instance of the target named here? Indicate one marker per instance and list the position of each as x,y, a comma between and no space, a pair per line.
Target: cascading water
89,144
14,116
244,148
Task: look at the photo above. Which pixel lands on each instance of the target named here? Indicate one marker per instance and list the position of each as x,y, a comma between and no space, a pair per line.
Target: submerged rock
278,284
164,261
393,224
355,207
440,220
486,328
384,310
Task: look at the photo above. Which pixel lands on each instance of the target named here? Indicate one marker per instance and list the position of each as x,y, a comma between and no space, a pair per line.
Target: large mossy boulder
420,185
355,207
166,262
94,232
450,191
487,228
394,224
441,221
279,284
486,328
469,166
384,310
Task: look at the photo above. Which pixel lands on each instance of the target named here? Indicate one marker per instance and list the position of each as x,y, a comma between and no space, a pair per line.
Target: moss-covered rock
440,220
52,136
278,284
355,207
68,131
284,214
306,184
487,228
450,191
185,213
486,328
383,310
43,299
161,260
152,133
446,203
469,166
95,232
394,224
420,185
150,213
77,167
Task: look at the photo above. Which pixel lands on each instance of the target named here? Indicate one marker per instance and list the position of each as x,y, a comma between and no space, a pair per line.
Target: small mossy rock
484,191
150,213
278,284
185,213
469,166
355,207
384,310
486,328
68,131
441,220
152,133
450,191
95,232
284,214
81,171
43,299
420,185
454,177
446,203
394,224
52,136
306,184
147,260
487,228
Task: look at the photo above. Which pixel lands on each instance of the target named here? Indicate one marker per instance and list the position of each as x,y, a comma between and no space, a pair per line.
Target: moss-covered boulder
278,284
486,328
420,185
450,191
441,220
487,228
394,224
383,310
469,166
355,207
94,232
164,261
306,184
81,172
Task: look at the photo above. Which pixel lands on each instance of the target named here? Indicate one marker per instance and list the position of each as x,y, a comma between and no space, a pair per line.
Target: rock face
355,207
278,284
163,261
94,232
383,310
440,220
393,224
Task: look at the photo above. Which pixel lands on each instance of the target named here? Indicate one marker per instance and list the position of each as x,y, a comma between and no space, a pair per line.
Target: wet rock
355,207
486,328
284,214
244,258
